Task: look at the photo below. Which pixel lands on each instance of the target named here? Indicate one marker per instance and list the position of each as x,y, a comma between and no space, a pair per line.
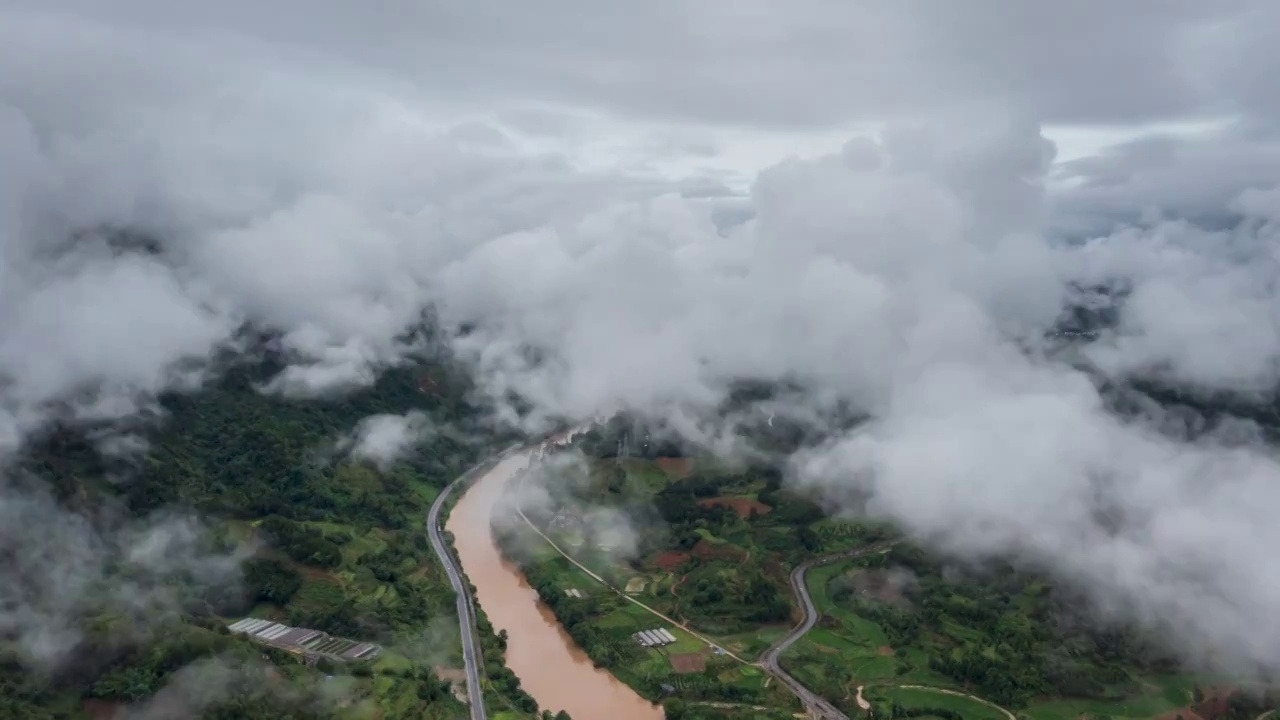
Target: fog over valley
603,209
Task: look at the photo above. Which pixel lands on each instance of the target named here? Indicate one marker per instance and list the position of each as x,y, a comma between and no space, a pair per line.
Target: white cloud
64,567
384,439
331,184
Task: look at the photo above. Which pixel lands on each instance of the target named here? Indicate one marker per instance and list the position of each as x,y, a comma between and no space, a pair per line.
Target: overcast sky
1093,70
915,187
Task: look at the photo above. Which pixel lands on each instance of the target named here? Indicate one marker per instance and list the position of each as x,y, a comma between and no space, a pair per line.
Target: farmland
920,636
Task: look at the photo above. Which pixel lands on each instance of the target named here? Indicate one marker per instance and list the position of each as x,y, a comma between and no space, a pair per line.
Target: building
306,642
654,638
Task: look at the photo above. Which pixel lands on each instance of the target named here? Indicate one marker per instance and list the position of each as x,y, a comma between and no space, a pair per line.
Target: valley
882,626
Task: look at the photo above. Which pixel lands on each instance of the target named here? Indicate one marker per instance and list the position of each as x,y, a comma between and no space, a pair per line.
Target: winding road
817,706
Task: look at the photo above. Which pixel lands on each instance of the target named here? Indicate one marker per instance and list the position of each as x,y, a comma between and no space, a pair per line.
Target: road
817,706
466,607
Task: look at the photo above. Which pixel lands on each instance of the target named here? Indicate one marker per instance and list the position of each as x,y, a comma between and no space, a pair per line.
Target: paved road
816,705
466,608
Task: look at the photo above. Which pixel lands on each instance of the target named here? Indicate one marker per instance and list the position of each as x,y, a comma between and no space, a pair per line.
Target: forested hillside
332,543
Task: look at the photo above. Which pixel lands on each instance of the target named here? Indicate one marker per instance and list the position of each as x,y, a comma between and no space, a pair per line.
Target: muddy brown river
550,666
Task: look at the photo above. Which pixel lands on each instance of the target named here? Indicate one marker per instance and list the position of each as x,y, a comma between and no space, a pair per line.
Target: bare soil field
103,709
688,662
741,506
669,560
704,550
675,467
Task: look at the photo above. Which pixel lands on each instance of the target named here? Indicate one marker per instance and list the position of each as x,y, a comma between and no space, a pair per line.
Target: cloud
912,277
65,567
330,185
205,684
733,62
559,485
384,439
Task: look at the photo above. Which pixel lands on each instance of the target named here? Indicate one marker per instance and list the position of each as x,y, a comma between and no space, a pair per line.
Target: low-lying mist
910,277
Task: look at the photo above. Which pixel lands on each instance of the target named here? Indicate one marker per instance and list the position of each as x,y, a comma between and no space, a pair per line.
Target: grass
751,644
916,698
710,537
426,491
645,476
1164,693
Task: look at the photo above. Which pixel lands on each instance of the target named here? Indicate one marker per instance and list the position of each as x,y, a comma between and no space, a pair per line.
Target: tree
271,580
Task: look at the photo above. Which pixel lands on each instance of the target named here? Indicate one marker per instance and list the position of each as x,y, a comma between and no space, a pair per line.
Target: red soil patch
317,574
688,662
670,560
1216,703
102,709
741,506
704,550
884,650
676,467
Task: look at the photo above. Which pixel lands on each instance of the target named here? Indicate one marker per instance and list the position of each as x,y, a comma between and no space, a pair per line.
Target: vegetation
715,545
342,549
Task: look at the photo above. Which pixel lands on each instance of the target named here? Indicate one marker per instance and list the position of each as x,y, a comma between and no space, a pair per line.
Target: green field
916,699
1006,640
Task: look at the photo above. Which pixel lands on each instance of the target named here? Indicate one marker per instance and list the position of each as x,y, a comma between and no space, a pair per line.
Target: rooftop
304,640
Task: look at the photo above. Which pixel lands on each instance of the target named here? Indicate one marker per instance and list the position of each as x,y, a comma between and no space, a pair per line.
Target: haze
664,197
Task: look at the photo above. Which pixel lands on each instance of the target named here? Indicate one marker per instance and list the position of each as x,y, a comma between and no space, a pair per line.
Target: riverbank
551,668
603,619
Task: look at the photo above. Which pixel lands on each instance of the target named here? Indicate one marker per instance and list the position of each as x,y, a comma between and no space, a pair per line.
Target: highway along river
550,667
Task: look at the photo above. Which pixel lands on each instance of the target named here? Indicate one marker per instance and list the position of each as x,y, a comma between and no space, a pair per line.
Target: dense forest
261,471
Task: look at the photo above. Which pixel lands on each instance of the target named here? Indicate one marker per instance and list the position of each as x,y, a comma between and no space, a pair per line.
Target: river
550,666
